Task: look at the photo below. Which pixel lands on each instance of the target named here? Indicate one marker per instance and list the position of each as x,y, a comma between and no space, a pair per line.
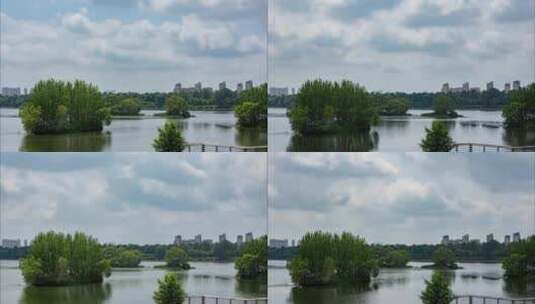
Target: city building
293,91
274,243
445,88
475,89
178,88
222,85
293,243
507,240
198,86
248,84
25,243
25,91
466,238
490,237
516,237
490,86
516,85
198,239
10,91
222,237
178,240
507,87
278,91
248,237
445,240
466,87
239,240
239,88
7,243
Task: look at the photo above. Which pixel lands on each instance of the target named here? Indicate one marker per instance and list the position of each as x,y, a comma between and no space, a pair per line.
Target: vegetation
251,110
437,138
176,257
443,258
520,259
169,139
520,111
59,107
437,291
169,291
324,106
443,107
252,261
175,105
324,258
224,251
394,107
392,258
121,257
57,259
126,107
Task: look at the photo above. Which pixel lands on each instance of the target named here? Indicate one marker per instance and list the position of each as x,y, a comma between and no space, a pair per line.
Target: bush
251,110
60,107
395,106
252,261
122,257
176,257
127,106
444,258
437,291
520,111
169,291
437,138
58,259
443,105
520,259
175,105
169,139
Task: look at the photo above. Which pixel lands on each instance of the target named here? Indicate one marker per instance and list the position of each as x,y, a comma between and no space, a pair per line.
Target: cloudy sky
134,45
142,198
402,45
401,197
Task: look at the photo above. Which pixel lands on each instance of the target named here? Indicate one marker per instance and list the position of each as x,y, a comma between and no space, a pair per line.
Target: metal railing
475,147
223,300
200,147
471,299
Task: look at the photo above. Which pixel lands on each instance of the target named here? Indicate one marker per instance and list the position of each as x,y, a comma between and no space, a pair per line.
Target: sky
134,45
402,198
402,45
141,198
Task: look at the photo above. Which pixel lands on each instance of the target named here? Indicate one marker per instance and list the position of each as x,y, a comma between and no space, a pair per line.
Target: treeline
491,251
493,99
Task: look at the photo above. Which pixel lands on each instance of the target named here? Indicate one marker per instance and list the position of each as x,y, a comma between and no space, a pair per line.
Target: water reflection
82,294
251,288
519,288
83,142
250,136
519,137
343,293
350,142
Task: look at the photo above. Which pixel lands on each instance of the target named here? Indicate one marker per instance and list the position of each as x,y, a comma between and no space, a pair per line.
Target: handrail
201,147
221,300
486,299
490,147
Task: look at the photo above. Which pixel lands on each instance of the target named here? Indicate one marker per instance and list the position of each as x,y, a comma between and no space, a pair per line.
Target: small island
443,107
175,106
443,259
251,110
520,260
121,257
176,258
519,112
252,261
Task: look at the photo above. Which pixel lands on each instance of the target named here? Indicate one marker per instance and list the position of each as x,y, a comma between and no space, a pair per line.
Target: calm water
130,134
392,286
129,286
394,133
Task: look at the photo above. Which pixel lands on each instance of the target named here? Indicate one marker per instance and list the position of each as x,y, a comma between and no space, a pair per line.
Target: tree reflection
347,142
80,294
76,142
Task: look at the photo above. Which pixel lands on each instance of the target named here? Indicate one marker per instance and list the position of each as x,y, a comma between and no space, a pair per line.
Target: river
391,134
393,286
130,133
129,285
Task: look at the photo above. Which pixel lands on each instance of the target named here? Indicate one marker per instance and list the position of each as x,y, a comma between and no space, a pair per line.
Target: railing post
216,148
203,149
470,297
470,149
202,300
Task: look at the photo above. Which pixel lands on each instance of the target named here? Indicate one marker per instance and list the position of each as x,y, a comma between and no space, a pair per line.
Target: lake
131,133
392,286
394,133
129,286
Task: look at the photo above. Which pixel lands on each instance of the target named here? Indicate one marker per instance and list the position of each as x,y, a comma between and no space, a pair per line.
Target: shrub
169,139
437,138
176,257
169,291
252,261
437,291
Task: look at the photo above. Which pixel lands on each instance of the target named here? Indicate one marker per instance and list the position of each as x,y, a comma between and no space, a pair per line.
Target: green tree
437,138
59,259
169,139
444,258
443,105
224,251
121,257
169,291
394,258
437,291
520,111
520,259
127,106
176,105
59,107
251,110
395,106
252,261
176,257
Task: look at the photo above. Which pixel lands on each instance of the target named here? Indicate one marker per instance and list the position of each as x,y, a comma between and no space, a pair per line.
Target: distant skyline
141,198
133,45
402,198
402,45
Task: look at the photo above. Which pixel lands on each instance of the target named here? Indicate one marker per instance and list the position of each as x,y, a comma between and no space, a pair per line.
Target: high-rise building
507,240
198,86
239,87
490,85
248,84
25,91
293,91
490,237
466,87
248,237
222,85
274,243
10,91
7,243
516,237
466,238
507,87
25,243
445,240
222,237
239,240
198,239
446,88
293,243
178,240
516,85
178,88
